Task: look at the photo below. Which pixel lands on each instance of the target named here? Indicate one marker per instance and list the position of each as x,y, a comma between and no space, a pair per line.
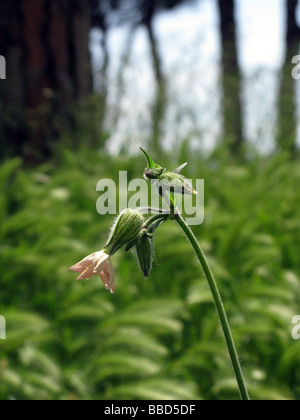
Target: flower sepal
125,230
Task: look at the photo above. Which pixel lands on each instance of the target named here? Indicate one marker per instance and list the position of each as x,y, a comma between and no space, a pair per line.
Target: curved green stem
156,218
153,210
219,306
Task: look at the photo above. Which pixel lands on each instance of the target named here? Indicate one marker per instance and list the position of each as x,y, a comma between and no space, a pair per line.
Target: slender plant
132,230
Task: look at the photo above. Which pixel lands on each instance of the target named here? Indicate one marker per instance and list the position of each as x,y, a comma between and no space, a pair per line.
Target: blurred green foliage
157,338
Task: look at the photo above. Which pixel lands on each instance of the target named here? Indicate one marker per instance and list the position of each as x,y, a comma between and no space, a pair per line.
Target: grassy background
157,338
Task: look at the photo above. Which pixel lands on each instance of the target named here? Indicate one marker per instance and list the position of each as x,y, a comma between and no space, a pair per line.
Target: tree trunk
233,129
46,45
287,124
159,105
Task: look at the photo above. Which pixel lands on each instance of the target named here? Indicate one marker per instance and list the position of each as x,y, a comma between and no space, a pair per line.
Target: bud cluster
133,230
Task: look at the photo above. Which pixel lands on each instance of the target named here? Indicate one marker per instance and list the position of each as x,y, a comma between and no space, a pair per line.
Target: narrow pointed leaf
150,161
180,168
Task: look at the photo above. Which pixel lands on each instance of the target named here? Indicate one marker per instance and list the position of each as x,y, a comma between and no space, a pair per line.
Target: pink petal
100,263
112,287
77,268
111,277
82,265
87,274
104,279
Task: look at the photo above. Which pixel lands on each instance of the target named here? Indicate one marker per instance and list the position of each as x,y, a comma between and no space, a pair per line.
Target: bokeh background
204,81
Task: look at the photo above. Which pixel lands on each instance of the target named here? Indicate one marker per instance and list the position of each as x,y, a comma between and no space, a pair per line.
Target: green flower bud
145,251
176,183
167,181
126,230
154,171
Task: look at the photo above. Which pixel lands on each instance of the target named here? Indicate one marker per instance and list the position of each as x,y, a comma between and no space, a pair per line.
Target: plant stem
153,210
156,218
219,306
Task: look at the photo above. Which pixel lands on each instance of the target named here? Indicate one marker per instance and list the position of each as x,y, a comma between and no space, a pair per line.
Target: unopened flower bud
166,181
125,230
176,183
145,251
153,171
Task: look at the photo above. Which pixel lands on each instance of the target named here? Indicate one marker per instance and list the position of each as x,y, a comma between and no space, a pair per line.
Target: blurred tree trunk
46,45
160,102
121,80
232,104
287,124
159,105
